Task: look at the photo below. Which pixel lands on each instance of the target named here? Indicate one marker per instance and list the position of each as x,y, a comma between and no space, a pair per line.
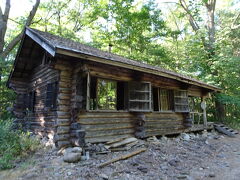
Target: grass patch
14,144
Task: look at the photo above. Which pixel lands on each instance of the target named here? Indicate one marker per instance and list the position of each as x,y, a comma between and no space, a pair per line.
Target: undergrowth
14,144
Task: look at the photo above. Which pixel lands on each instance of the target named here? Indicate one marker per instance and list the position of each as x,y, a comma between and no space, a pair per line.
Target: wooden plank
109,132
123,142
105,121
107,126
107,138
126,156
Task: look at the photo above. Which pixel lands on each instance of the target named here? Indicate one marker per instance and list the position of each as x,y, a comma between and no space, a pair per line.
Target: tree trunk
220,110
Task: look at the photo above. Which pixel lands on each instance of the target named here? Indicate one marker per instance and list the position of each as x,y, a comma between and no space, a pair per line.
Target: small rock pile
73,154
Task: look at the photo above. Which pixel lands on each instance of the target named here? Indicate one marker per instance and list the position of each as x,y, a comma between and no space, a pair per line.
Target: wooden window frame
170,97
140,101
51,95
181,105
88,95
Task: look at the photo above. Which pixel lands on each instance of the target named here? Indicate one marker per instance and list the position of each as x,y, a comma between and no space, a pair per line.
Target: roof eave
79,54
44,43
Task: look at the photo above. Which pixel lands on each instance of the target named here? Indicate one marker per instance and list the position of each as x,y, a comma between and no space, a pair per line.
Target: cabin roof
58,45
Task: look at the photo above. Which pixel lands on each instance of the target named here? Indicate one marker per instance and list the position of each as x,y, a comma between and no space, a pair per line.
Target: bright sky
20,7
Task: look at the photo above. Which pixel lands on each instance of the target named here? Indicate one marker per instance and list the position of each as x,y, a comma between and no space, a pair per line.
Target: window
162,99
181,101
31,101
51,95
139,96
106,94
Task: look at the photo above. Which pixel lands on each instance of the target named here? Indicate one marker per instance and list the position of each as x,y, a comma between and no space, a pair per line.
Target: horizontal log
61,144
64,97
62,67
63,129
96,121
107,138
104,127
61,137
62,122
65,73
109,132
63,108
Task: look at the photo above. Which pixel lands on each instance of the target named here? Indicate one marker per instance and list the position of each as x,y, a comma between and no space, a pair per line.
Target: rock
103,176
72,157
200,169
143,169
173,162
69,173
31,176
182,176
185,137
76,150
212,175
164,138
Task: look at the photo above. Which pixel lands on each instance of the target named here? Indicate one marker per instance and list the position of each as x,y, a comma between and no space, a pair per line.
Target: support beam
203,106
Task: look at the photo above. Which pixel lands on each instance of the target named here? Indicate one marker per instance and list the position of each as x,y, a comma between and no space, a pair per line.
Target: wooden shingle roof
59,45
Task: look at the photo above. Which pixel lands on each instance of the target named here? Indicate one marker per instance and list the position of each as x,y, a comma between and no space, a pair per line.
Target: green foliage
14,144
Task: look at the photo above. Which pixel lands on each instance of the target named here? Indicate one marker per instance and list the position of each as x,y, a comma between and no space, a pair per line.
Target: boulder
71,157
76,150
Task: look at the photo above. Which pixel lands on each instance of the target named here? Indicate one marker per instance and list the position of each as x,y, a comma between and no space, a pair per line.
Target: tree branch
7,9
191,19
11,45
32,13
17,38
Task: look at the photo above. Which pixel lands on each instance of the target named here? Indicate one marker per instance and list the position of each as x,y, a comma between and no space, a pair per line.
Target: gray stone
76,150
185,137
72,157
103,176
174,162
212,175
143,169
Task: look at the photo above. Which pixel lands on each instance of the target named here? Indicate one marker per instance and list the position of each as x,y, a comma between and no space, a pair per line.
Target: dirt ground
202,156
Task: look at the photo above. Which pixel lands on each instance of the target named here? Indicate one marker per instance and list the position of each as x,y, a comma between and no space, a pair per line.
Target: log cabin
75,93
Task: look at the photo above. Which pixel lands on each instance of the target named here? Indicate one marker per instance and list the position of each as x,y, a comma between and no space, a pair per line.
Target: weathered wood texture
63,103
163,123
42,120
105,126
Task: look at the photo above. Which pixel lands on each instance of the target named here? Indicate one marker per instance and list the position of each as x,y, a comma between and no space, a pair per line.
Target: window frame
171,101
51,101
148,92
97,86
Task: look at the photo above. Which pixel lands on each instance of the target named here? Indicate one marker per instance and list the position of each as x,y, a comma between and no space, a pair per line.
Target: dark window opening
51,95
107,94
93,93
81,90
121,95
155,98
162,99
31,101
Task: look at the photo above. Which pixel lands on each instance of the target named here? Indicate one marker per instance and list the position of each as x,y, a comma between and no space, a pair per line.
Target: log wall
105,126
64,103
42,120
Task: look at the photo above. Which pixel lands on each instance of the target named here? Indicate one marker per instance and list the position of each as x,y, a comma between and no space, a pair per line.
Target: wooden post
88,92
203,106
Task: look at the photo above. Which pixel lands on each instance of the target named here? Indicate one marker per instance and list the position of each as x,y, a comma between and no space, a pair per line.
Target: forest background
199,38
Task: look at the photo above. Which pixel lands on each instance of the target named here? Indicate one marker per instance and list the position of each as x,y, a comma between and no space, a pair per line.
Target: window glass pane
106,94
166,100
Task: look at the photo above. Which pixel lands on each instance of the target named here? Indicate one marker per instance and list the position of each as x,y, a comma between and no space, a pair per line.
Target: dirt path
207,156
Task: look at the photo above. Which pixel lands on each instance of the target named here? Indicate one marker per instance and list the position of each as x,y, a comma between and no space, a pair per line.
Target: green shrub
14,144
